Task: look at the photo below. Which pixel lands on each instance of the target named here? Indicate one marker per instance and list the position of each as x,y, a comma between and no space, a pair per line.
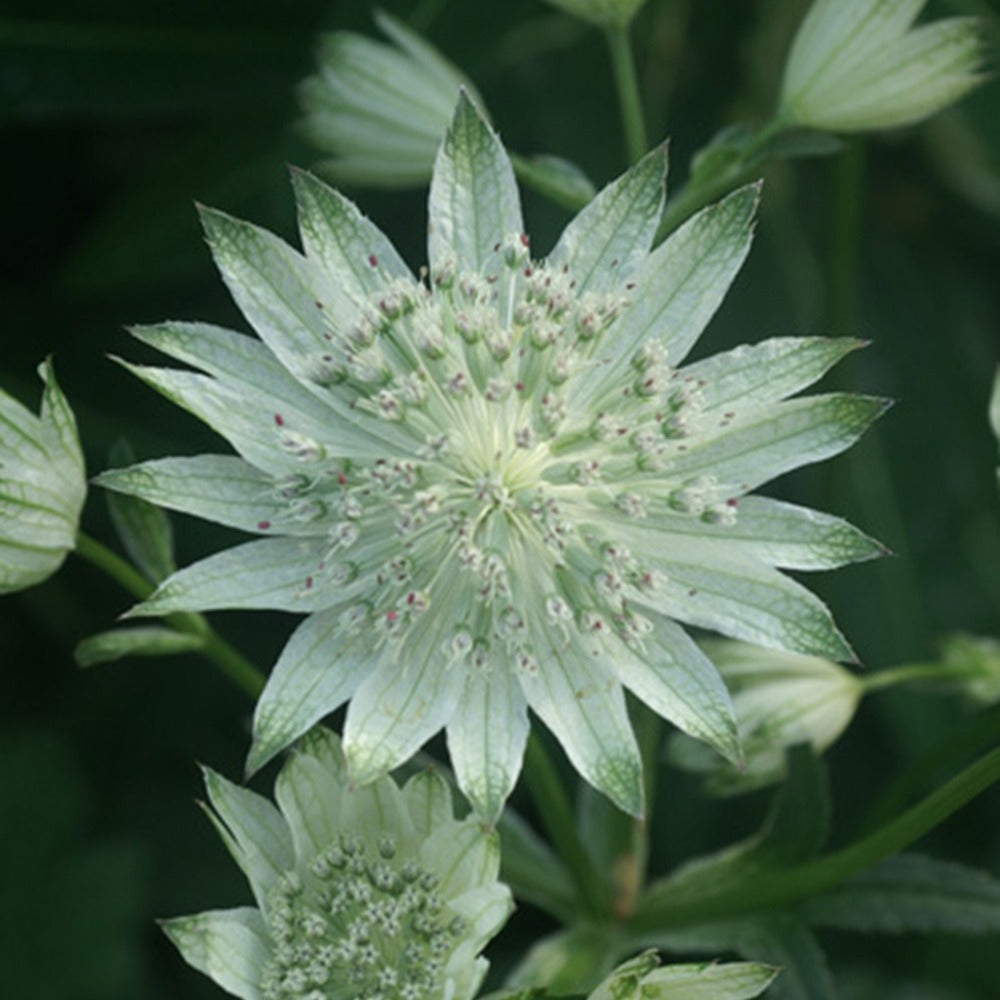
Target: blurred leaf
562,181
65,68
146,641
531,869
569,961
144,530
911,893
69,924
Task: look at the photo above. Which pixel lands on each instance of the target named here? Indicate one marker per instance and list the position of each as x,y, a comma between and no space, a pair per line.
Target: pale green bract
380,110
642,978
780,699
376,892
498,489
42,486
859,64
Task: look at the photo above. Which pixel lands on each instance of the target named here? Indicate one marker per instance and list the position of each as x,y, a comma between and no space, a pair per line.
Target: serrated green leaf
281,574
487,737
584,706
315,674
143,529
393,712
220,488
118,643
605,243
474,201
766,372
777,533
910,893
253,831
229,946
675,679
763,444
702,583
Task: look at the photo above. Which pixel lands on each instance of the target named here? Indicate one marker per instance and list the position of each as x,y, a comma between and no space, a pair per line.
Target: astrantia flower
361,893
42,486
381,110
859,64
780,699
496,489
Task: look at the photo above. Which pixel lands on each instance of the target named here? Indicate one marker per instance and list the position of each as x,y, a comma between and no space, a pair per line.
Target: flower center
358,924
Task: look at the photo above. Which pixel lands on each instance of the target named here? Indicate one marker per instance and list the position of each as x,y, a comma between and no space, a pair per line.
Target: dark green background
116,116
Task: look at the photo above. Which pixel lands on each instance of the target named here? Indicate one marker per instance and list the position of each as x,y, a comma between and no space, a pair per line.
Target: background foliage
115,116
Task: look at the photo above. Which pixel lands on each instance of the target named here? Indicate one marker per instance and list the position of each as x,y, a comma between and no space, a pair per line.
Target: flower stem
672,906
232,663
629,98
560,823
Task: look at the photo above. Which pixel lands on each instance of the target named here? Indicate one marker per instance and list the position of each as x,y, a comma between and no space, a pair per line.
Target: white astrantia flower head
498,488
380,110
42,486
601,12
781,699
860,64
362,893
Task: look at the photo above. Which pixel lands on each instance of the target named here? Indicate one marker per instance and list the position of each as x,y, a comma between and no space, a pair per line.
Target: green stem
233,664
892,676
699,192
557,816
627,85
673,906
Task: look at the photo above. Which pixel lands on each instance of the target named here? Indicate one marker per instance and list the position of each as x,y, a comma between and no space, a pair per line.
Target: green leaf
573,960
246,370
708,981
784,942
780,534
118,643
533,871
766,372
579,699
316,673
281,574
220,488
703,583
229,946
678,289
396,708
762,444
610,238
341,240
144,530
253,831
473,201
910,893
680,683
486,739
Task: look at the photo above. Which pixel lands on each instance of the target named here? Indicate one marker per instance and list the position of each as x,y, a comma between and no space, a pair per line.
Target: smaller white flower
857,65
601,12
779,699
42,486
381,110
361,893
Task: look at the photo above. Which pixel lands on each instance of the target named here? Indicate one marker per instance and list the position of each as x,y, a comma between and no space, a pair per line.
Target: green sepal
144,530
115,644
